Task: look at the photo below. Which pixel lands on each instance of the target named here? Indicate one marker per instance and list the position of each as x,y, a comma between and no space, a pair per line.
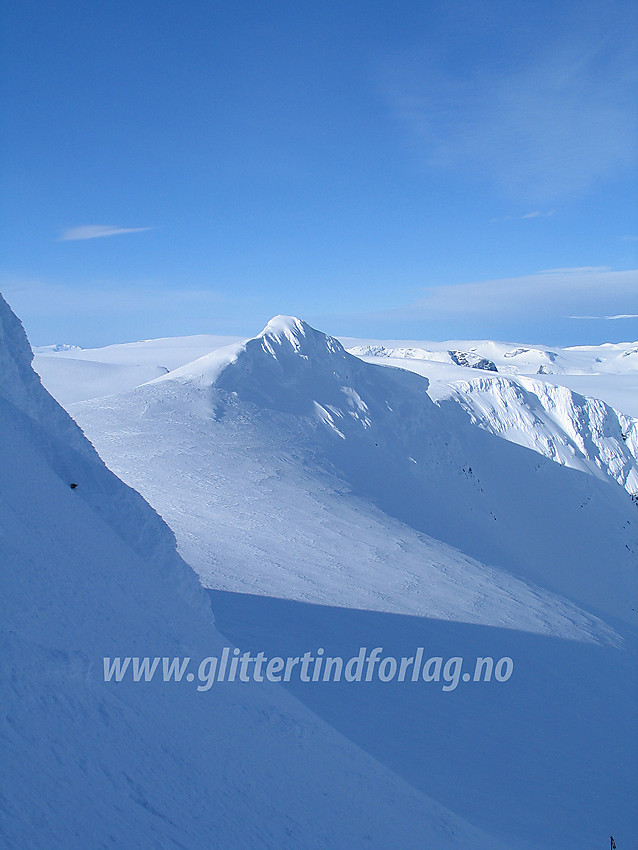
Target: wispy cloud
97,231
526,216
587,291
545,128
607,318
539,214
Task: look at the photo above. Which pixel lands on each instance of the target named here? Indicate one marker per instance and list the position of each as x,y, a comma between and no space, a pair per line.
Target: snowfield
405,494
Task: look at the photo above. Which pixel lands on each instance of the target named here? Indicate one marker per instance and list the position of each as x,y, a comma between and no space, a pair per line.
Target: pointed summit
289,327
289,366
290,331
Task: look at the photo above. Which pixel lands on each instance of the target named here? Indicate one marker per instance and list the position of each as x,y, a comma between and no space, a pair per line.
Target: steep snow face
21,386
579,432
68,453
92,572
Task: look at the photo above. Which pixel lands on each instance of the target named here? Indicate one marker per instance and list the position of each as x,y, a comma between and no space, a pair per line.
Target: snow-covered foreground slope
92,571
288,468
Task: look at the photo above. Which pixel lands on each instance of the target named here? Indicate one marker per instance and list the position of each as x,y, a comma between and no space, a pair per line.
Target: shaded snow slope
92,571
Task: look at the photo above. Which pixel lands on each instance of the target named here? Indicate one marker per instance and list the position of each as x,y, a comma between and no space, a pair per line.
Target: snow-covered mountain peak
287,327
290,367
285,333
285,347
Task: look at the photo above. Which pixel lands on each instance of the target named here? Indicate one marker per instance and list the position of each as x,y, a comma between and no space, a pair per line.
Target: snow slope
579,432
93,571
583,433
288,468
291,426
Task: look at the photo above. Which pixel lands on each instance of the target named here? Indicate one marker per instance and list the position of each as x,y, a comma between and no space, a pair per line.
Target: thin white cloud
526,216
586,291
97,231
577,270
546,128
539,214
607,318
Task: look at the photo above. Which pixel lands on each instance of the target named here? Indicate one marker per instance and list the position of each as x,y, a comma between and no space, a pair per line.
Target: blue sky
412,169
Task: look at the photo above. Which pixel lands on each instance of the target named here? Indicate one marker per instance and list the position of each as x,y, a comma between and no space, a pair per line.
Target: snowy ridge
511,358
452,356
56,348
579,432
626,360
20,386
66,449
